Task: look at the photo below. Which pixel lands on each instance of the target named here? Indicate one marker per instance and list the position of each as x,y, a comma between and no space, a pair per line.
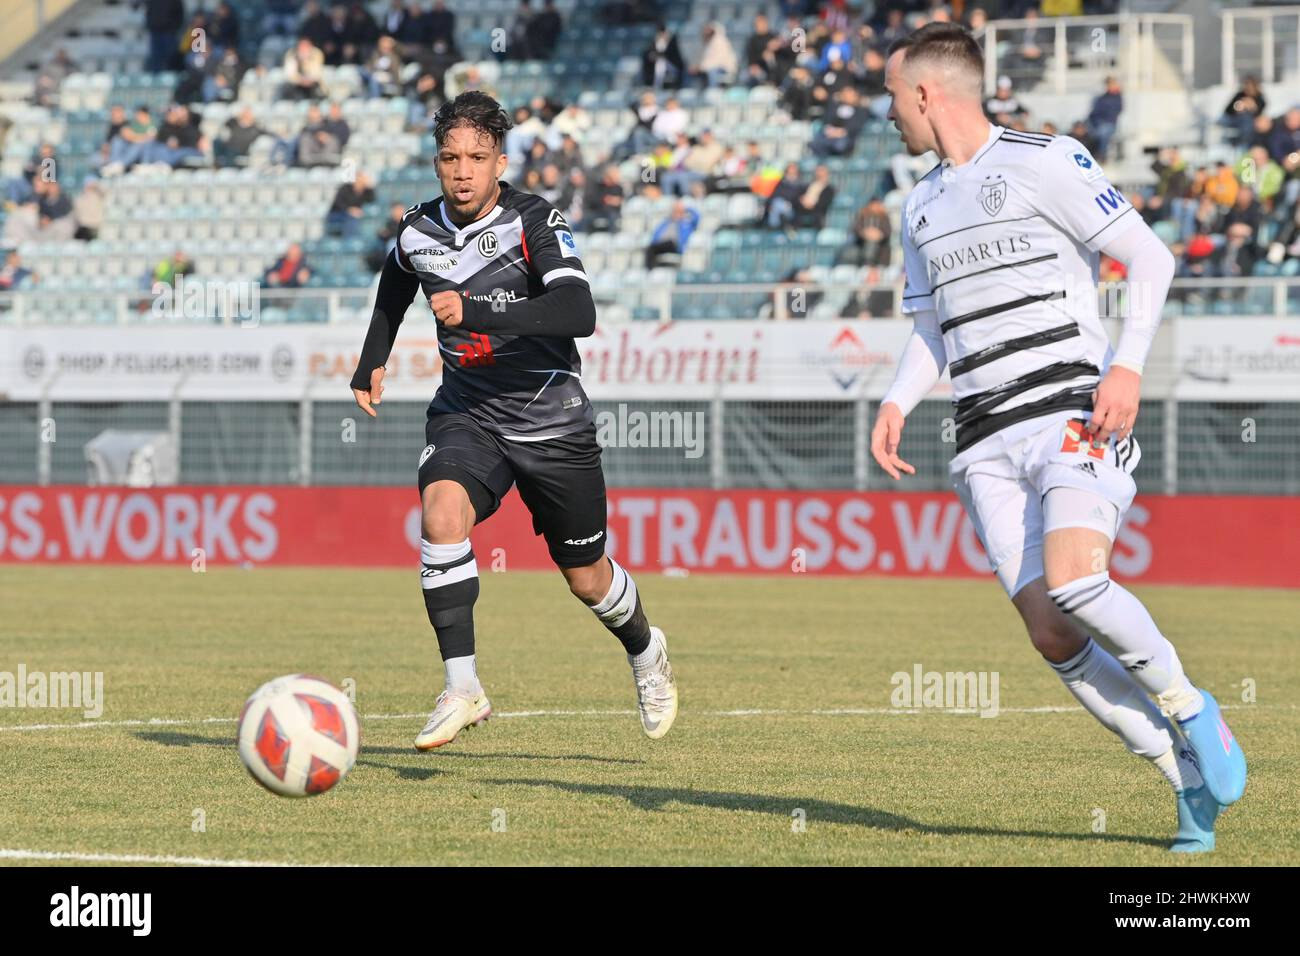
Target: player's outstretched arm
919,368
397,289
1150,267
564,311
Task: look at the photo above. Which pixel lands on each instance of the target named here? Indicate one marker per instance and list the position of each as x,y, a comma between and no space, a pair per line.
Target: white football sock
648,660
1122,623
1179,769
619,602
1107,692
462,675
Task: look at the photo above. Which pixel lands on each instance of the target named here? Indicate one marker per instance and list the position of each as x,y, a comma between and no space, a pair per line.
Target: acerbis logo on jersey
424,455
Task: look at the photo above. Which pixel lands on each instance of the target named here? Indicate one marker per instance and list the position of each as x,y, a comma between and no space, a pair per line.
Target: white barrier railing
1253,38
1124,45
792,300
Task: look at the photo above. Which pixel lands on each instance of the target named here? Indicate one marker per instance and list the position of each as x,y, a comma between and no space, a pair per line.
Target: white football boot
656,691
452,714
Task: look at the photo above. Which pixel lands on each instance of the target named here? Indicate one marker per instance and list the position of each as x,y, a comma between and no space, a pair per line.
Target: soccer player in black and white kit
1000,244
503,278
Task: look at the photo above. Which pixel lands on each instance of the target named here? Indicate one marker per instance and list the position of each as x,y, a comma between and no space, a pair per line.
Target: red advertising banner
1173,540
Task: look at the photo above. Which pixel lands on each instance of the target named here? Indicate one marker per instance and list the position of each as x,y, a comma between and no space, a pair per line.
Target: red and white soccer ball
298,735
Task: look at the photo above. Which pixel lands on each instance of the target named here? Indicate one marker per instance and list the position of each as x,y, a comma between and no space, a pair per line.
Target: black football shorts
559,479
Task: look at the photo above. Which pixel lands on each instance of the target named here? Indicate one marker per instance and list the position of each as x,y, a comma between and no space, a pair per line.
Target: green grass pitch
537,785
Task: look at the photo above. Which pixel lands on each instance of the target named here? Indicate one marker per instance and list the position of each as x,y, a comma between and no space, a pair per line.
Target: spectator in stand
281,18
315,23
796,297
1240,113
424,96
670,121
871,234
869,77
575,199
827,86
1222,186
717,64
223,31
544,31
1002,107
179,140
872,301
661,63
780,210
386,238
363,32
53,210
304,68
316,145
1172,179
339,42
1103,118
344,217
815,202
128,147
337,126
88,210
51,76
383,70
440,28
163,19
241,132
1284,147
1258,170
797,93
572,122
1081,132
1244,216
757,67
222,84
398,20
844,122
1287,245
669,240
837,49
1030,53
290,271
603,202
166,271
517,46
14,275
697,165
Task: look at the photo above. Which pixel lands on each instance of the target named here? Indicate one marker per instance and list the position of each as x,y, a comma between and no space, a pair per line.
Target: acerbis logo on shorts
424,455
595,537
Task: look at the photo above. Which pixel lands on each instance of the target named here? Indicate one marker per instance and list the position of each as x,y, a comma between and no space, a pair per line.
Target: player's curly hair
472,108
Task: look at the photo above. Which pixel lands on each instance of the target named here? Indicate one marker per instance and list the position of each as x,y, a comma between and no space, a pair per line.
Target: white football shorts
1006,494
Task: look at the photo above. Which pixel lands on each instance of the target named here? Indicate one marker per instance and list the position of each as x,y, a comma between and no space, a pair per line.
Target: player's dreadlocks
475,109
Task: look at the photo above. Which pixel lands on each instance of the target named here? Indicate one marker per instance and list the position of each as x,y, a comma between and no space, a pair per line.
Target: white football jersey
1003,249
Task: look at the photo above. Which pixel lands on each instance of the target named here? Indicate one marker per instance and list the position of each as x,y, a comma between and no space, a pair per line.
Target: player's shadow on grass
171,738
442,754
819,811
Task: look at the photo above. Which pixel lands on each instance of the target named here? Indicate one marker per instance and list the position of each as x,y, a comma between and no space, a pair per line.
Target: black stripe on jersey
952,323
994,352
973,407
1047,137
1022,142
1004,265
1108,225
978,225
990,146
1070,399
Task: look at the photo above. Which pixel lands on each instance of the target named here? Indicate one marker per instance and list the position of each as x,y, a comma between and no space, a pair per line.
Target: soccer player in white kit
1000,245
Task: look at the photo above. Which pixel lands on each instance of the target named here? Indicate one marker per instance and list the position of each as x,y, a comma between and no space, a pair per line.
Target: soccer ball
298,735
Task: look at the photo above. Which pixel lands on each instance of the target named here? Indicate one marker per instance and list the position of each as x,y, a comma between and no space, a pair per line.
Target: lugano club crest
488,245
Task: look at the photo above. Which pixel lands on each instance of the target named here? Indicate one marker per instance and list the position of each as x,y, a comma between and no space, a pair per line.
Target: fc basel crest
992,195
488,245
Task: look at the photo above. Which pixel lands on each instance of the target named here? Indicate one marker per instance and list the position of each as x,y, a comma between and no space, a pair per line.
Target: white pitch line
10,854
506,715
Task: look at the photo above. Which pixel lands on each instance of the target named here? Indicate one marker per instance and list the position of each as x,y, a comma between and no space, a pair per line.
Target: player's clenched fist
885,437
446,307
372,395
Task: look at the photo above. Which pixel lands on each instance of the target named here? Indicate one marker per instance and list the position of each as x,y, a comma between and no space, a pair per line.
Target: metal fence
1188,446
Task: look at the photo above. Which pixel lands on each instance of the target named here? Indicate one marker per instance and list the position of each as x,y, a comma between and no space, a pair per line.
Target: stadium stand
733,108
